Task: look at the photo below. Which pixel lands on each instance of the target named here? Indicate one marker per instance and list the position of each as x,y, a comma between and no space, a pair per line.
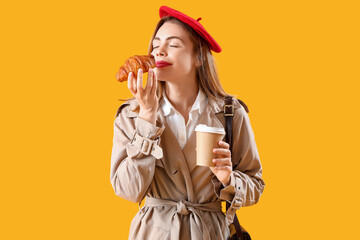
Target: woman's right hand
147,97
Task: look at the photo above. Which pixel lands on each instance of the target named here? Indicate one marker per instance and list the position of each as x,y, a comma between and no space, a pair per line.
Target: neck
182,96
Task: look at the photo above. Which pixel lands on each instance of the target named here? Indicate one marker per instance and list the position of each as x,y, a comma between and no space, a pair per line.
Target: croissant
133,64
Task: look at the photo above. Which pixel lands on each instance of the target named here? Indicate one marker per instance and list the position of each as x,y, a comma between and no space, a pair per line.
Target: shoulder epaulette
244,105
121,106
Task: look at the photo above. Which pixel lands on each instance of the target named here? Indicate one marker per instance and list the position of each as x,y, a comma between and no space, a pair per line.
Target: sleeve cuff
225,193
148,130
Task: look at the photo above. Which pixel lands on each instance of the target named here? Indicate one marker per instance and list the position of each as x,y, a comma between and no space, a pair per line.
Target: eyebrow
171,37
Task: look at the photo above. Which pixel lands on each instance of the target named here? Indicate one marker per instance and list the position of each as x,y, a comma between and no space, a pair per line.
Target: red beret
165,11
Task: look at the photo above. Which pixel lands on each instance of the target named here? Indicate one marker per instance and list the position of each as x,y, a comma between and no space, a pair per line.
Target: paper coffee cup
207,139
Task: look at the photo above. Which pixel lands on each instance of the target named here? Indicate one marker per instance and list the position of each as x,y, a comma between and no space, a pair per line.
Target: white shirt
177,122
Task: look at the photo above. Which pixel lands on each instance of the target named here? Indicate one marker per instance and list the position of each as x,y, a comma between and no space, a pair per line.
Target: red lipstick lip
160,64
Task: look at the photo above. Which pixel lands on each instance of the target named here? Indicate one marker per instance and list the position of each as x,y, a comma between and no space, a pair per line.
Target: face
172,44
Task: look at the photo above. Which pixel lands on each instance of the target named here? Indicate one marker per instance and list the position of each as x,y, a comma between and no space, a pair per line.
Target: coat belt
184,208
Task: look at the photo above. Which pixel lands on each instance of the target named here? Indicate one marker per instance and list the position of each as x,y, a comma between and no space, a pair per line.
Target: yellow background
294,63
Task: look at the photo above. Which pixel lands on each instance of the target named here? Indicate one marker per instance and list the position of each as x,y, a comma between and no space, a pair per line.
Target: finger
155,83
224,144
139,85
130,83
222,165
134,81
223,168
149,81
222,161
222,151
156,79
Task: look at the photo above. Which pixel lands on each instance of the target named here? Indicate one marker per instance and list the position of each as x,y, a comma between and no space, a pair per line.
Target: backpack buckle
229,110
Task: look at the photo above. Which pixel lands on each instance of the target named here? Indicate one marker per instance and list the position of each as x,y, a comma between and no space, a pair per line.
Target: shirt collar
215,104
167,107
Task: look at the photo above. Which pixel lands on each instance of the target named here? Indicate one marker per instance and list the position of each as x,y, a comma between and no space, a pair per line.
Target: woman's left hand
223,164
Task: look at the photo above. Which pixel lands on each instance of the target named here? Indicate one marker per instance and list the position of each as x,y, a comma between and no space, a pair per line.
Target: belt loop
133,136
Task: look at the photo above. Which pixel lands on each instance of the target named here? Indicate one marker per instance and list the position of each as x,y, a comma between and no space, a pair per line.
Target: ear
197,62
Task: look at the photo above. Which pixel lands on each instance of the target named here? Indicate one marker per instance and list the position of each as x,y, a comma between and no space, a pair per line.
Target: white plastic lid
205,128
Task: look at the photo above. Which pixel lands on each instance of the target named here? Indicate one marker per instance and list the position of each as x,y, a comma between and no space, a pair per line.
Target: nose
160,51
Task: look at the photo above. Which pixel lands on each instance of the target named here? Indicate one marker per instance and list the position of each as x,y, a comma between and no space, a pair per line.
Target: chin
161,76
166,75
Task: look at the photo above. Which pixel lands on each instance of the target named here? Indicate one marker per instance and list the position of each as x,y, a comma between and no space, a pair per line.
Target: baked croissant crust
133,64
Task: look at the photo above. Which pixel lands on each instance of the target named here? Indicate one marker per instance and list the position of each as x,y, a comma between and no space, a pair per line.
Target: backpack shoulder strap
229,113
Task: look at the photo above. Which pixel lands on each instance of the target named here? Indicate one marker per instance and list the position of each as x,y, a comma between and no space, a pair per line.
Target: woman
153,153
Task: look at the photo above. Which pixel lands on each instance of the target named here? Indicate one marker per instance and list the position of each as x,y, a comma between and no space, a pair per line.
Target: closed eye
170,46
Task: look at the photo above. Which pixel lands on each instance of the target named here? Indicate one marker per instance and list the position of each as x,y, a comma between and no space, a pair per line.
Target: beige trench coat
183,201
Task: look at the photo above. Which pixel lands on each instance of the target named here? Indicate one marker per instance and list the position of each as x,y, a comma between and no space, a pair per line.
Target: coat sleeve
132,170
246,183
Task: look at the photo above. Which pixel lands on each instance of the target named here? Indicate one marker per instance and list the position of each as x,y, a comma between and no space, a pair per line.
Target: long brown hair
206,74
